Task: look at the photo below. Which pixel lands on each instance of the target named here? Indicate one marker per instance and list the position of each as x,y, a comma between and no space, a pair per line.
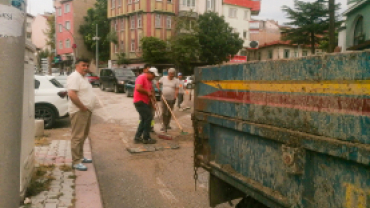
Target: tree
155,50
309,21
185,47
217,40
97,15
50,32
122,59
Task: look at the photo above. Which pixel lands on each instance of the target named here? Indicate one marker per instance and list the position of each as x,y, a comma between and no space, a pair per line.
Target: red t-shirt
143,81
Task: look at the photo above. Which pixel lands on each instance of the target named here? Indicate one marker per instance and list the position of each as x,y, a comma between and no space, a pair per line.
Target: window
232,12
158,20
132,22
68,43
286,53
136,1
246,15
60,28
169,21
132,45
129,2
116,25
270,54
113,3
139,41
119,3
115,48
259,55
188,3
56,83
122,47
359,35
139,21
59,11
68,25
169,1
210,5
295,53
122,24
245,34
304,53
60,45
37,84
66,8
29,35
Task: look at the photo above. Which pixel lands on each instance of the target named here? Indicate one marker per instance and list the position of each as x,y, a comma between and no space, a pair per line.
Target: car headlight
121,82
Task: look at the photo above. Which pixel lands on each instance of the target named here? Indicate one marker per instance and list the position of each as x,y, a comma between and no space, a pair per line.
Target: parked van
115,79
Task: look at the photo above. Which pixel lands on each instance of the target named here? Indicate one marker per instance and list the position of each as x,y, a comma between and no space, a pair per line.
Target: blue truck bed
287,133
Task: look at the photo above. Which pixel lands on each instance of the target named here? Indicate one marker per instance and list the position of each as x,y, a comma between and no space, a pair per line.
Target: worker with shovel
170,91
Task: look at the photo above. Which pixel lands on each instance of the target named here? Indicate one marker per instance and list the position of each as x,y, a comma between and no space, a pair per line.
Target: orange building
134,19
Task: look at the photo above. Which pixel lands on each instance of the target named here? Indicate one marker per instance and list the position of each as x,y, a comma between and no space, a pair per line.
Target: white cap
154,71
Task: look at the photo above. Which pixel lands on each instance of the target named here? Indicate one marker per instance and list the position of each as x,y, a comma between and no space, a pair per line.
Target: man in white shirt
81,104
170,91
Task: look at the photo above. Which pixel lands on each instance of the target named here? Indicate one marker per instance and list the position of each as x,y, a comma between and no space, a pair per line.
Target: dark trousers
166,114
180,99
146,116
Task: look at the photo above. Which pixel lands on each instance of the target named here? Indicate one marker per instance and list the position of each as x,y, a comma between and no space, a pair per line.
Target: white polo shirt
84,90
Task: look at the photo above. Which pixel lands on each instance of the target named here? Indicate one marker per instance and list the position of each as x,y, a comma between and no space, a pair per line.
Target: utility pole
12,49
331,25
97,38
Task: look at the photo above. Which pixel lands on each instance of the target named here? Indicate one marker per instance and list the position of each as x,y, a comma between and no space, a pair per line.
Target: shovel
173,115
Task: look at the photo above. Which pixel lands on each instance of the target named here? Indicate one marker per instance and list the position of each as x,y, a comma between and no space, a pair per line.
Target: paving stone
56,182
51,201
54,195
37,201
65,203
37,206
55,190
69,181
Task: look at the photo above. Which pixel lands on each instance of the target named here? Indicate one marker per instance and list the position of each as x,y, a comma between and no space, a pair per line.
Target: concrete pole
12,49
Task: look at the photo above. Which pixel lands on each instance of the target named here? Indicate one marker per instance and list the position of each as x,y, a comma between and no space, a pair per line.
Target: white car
62,79
188,80
51,100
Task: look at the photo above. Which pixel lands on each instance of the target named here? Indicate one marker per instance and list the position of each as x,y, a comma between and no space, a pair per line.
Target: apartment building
200,6
39,26
69,16
134,19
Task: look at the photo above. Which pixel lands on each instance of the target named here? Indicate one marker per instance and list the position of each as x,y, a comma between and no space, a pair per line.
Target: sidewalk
67,188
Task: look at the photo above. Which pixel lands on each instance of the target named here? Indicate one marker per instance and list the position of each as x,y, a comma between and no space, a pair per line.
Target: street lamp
97,38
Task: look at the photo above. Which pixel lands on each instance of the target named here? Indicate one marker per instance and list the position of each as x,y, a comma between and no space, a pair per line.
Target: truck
285,133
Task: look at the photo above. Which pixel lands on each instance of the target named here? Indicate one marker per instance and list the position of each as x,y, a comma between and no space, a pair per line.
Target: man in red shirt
142,102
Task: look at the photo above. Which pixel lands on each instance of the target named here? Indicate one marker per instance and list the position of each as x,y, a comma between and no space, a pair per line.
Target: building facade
279,50
39,26
357,28
264,31
69,15
200,6
132,20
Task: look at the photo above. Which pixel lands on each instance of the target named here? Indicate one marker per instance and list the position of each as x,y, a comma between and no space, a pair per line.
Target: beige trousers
80,123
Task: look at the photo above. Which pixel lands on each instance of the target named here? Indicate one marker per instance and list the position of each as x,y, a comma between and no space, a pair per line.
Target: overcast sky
270,9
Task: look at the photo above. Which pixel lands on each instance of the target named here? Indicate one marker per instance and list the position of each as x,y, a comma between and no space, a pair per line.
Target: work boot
149,141
138,140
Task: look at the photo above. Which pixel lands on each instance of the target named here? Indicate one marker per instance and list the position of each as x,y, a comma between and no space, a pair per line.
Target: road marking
165,192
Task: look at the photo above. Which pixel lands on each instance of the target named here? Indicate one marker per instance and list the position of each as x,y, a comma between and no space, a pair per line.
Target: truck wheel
249,202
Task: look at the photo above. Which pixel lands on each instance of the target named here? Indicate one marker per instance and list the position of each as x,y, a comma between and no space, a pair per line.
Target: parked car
51,100
62,79
188,80
93,79
115,79
130,86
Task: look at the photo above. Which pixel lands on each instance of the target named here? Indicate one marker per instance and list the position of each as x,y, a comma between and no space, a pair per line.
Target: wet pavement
161,178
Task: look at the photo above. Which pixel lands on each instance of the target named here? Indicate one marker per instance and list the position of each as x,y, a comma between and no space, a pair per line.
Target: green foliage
155,50
97,15
122,59
309,21
50,32
217,39
185,47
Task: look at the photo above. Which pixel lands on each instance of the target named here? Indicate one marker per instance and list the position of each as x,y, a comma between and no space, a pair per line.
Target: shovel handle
173,115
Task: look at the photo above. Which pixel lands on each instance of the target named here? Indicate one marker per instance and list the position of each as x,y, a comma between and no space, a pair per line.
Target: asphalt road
142,180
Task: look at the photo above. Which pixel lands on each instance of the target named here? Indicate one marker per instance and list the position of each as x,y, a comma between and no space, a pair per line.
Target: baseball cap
154,71
179,74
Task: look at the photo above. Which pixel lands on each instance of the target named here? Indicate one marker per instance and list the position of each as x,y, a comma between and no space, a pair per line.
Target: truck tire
249,202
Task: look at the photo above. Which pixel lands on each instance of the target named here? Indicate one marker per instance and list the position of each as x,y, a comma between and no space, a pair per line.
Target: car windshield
124,73
91,75
56,83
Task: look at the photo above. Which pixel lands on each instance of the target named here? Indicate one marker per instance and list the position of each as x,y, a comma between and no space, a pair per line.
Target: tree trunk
331,26
312,43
